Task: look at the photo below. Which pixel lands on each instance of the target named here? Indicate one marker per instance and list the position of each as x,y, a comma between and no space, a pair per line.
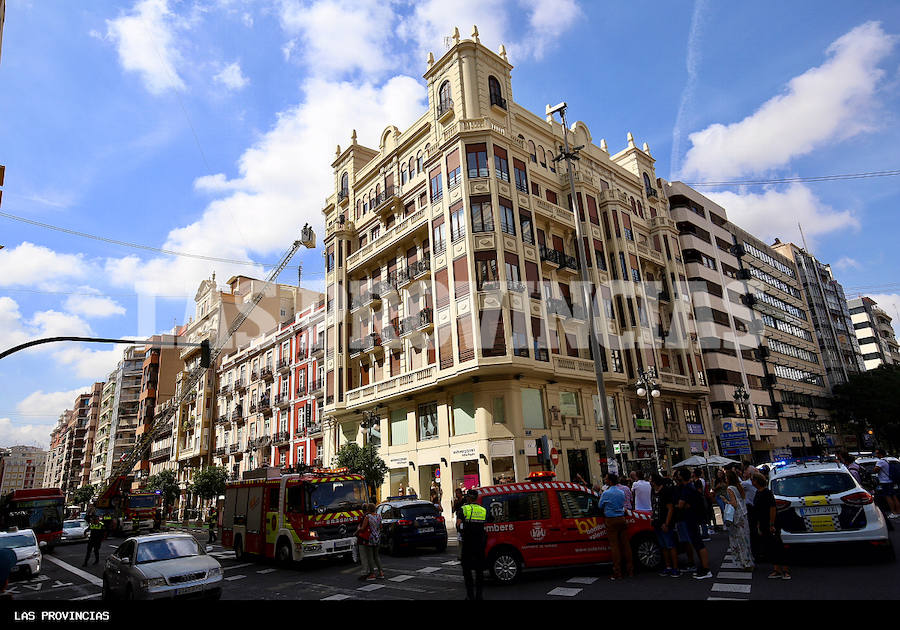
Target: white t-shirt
642,492
884,468
749,491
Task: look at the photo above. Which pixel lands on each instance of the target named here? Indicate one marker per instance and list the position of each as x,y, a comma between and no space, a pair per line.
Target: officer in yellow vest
96,532
471,517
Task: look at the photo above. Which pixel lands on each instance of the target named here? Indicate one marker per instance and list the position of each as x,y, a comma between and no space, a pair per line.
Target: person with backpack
888,475
689,512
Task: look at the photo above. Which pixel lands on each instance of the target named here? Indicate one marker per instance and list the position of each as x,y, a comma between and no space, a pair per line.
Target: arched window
532,151
640,209
412,167
358,209
419,162
345,184
377,192
365,205
495,92
633,207
647,185
445,103
543,156
403,174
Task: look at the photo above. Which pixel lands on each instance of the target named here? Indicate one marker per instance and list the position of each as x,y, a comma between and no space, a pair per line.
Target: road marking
581,580
732,599
336,598
93,579
429,569
370,587
235,577
565,592
75,599
401,578
731,588
114,546
239,566
730,565
734,575
452,563
264,571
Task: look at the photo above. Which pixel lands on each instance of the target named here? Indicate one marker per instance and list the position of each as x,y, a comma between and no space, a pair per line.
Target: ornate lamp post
740,398
648,388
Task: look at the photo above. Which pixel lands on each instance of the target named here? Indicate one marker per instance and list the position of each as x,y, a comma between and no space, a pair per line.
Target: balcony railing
284,365
413,272
558,258
282,400
266,373
316,385
240,385
415,323
222,419
564,309
444,107
161,453
372,342
282,437
234,448
390,335
319,348
220,451
314,428
237,413
225,389
343,193
381,201
368,297
264,406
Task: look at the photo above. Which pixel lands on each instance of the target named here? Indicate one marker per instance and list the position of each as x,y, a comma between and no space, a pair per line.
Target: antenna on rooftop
448,42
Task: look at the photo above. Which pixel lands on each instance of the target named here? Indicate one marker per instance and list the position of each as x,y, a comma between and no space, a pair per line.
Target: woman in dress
739,529
369,537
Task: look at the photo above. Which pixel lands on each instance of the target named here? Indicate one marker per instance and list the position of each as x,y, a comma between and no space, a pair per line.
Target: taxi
822,503
547,523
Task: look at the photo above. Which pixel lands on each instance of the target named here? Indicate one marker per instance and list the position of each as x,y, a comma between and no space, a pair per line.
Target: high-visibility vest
95,526
472,512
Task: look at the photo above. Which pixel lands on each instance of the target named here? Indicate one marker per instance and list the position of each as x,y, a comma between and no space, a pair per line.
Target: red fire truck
38,509
295,516
125,507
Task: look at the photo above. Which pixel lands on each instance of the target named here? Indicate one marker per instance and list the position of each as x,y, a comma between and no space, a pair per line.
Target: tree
84,494
166,482
365,461
870,399
209,482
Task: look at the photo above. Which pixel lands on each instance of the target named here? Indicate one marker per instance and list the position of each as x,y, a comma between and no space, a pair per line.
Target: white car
25,545
823,503
157,566
74,531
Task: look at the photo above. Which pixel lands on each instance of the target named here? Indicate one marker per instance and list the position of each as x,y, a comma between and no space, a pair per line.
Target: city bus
38,509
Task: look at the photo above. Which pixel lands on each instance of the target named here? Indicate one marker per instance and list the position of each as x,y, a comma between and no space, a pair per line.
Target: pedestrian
661,518
720,489
96,532
212,522
689,511
435,492
642,492
700,484
629,496
410,492
852,467
401,491
769,531
471,518
738,525
612,507
886,484
750,495
368,535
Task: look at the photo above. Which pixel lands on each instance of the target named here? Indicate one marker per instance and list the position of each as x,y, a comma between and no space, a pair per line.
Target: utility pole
586,284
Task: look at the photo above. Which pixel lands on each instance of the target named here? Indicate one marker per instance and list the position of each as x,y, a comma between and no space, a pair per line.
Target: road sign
731,435
554,456
437,473
705,446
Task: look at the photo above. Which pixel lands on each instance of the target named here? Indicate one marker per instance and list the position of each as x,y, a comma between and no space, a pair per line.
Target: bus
37,509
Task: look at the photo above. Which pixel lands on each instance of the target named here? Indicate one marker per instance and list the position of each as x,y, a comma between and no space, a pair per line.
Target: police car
408,522
821,502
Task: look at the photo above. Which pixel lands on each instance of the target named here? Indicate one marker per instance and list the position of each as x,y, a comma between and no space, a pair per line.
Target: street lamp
740,398
648,388
812,418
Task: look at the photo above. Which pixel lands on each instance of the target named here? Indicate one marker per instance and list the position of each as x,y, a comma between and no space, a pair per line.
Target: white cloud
829,103
19,434
11,331
56,324
232,77
89,363
845,263
49,404
145,40
775,213
34,265
548,22
93,306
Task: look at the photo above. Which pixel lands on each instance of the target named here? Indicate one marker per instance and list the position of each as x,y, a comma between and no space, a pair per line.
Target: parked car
409,523
822,503
28,553
549,524
76,530
868,473
159,566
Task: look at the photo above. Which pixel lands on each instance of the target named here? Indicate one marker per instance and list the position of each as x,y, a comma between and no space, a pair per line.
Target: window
521,175
525,225
532,152
437,190
461,276
466,340
507,218
501,164
476,160
493,335
464,414
412,167
445,103
445,345
543,156
495,92
482,218
517,506
403,180
428,421
399,431
552,197
532,408
457,221
419,162
574,504
486,274
454,176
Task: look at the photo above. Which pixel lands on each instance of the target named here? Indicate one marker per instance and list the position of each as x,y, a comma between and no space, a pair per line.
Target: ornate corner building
456,334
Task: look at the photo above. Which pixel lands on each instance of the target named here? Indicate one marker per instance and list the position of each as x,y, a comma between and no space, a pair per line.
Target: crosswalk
731,583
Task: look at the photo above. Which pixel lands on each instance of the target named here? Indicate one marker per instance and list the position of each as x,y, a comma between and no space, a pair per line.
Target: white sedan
74,531
24,544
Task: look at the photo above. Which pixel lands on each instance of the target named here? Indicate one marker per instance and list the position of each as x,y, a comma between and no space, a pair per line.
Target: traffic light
204,353
543,449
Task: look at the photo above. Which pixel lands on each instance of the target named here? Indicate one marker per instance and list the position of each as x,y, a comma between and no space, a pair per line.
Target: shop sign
767,425
398,462
696,448
531,448
463,453
643,424
695,429
502,448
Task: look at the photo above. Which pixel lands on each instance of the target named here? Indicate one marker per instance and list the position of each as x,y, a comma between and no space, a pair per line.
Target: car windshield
71,524
817,483
166,549
336,495
414,511
144,501
18,540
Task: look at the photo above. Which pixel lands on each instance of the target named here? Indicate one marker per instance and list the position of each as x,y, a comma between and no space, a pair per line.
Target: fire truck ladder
127,462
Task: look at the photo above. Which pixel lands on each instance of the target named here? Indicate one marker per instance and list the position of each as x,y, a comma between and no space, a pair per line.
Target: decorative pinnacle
630,140
503,52
646,148
430,59
337,152
603,145
475,34
455,34
353,136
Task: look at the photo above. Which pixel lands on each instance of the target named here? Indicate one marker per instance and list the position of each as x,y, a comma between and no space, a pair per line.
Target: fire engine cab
295,516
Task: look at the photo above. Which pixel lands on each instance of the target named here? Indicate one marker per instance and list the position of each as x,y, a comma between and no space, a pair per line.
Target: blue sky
208,126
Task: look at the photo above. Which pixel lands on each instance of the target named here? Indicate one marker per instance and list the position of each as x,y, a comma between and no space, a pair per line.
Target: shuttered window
442,288
445,343
493,339
466,340
461,276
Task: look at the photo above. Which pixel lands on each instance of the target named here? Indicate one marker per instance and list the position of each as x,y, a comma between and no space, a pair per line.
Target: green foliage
209,482
871,399
84,494
363,460
166,482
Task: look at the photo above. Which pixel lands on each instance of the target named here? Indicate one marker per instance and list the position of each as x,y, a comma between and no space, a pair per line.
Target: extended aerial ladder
126,463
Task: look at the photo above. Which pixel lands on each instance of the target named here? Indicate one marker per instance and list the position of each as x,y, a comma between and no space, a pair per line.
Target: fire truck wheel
283,553
238,548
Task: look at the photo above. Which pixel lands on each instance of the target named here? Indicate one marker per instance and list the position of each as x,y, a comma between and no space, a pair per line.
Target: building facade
104,423
126,404
21,468
455,323
874,333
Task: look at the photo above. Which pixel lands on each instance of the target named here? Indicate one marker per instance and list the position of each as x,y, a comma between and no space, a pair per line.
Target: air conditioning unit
762,352
770,380
743,274
748,299
737,250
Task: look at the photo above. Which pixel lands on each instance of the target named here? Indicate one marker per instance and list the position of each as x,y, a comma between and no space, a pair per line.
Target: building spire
475,34
603,145
430,59
503,52
630,141
455,35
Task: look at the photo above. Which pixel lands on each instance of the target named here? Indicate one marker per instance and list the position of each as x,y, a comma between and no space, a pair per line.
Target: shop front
398,475
503,461
464,466
428,470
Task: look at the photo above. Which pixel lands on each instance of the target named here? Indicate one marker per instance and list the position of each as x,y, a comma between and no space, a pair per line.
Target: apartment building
104,424
53,465
87,459
21,468
874,333
455,320
829,313
126,404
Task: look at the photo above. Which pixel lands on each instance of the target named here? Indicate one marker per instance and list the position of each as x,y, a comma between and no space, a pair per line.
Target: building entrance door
578,465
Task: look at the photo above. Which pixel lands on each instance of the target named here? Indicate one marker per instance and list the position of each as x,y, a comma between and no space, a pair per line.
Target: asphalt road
821,574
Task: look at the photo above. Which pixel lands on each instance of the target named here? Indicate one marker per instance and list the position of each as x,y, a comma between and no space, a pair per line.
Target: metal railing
416,322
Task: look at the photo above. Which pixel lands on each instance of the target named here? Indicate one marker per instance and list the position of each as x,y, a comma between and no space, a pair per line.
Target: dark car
407,523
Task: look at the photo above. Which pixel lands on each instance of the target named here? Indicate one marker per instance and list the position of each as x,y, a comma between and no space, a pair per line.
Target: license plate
342,546
426,530
189,589
819,510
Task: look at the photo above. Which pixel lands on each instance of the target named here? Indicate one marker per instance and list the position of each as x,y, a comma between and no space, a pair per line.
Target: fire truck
294,516
125,507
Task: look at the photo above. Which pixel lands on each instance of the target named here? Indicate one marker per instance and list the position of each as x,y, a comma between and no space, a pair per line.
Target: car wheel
647,553
505,565
238,548
283,554
107,593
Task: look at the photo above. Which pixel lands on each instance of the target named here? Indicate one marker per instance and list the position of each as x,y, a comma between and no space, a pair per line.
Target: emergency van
295,516
554,523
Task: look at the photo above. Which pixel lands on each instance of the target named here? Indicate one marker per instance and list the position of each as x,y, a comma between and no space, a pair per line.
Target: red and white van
554,523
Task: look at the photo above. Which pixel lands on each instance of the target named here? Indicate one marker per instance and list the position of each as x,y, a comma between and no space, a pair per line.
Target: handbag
728,515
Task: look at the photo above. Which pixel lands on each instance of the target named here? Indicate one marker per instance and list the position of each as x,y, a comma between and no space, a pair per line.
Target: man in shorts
663,515
688,512
886,484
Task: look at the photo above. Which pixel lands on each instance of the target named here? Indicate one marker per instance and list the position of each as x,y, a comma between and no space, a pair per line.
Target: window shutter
461,276
442,288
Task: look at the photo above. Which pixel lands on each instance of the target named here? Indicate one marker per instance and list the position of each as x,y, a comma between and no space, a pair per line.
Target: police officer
471,518
211,521
97,533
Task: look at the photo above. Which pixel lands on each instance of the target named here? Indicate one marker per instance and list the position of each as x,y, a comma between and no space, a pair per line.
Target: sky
208,127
